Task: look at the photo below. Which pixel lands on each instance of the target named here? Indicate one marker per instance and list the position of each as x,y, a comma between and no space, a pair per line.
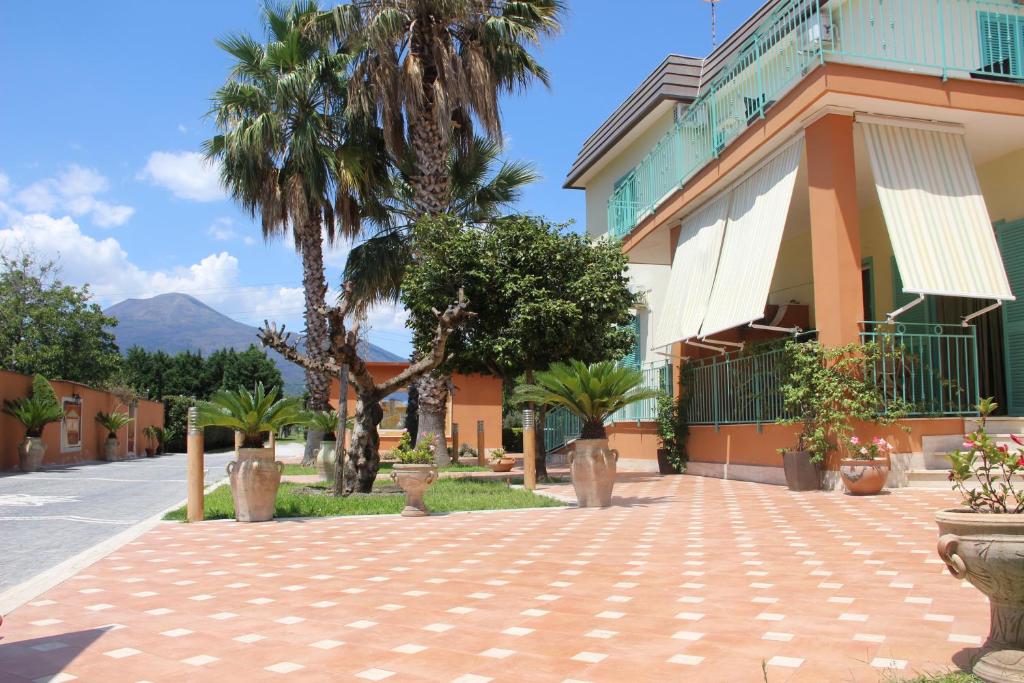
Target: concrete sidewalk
684,578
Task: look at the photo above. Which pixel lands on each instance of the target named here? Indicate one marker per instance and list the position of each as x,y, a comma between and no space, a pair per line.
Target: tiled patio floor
683,579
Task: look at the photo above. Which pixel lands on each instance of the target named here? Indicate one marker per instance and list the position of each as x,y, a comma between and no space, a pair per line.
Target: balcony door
1011,245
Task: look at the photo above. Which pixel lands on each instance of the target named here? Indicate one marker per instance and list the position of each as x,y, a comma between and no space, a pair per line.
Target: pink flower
1003,448
1020,461
969,443
854,440
863,451
1017,440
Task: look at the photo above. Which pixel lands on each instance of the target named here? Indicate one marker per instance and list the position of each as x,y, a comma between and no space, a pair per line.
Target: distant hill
179,322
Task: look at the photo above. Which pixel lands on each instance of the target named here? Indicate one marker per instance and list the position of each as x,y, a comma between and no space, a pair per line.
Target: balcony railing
981,39
931,368
561,426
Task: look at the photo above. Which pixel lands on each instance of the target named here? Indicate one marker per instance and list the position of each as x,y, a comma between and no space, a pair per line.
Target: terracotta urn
503,465
150,452
592,467
414,480
988,551
30,453
801,472
325,460
864,477
110,447
255,478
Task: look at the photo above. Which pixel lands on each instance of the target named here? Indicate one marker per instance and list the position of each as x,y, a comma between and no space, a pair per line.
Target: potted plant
112,422
160,436
325,421
150,434
983,542
467,453
865,472
672,432
414,472
500,462
255,476
34,412
825,389
592,392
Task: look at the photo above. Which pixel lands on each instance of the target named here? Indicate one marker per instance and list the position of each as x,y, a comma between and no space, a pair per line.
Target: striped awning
750,248
693,272
938,223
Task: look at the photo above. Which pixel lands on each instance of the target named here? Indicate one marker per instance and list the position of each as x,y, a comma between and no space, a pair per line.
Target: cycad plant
157,436
112,422
324,420
251,413
592,392
37,410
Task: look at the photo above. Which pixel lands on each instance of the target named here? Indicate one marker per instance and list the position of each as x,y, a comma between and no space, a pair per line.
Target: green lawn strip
948,677
445,495
294,468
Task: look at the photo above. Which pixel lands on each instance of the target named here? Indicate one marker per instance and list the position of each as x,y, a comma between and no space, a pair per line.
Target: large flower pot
254,478
325,460
150,453
988,551
30,453
414,480
864,477
110,448
592,467
801,472
503,465
665,465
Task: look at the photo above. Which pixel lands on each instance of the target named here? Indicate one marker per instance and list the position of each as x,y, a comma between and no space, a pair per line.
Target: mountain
179,322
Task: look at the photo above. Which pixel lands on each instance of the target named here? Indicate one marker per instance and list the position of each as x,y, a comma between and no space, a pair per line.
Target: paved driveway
52,515
683,579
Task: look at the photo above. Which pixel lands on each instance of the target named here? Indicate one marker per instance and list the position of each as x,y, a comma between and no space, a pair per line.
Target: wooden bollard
481,459
195,467
455,440
529,450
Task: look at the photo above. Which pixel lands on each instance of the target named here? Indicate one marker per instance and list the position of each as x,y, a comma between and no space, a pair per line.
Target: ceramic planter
325,460
592,467
255,478
665,466
987,551
30,453
414,480
502,465
801,472
864,477
110,448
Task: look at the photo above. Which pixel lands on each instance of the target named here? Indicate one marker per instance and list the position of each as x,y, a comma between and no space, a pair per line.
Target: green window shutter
1011,245
919,313
632,359
1002,42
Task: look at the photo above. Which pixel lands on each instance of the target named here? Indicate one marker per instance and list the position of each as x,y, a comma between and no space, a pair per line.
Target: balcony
979,39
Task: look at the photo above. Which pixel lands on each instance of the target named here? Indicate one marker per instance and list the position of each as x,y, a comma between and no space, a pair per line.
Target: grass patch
948,677
295,468
445,495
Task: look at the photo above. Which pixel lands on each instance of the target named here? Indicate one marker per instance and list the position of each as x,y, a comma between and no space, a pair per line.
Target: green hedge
176,424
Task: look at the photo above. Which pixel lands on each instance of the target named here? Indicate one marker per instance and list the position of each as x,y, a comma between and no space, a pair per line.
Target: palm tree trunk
363,459
339,453
432,392
314,285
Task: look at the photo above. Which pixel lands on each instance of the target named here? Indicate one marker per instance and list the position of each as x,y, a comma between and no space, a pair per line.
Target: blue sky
103,116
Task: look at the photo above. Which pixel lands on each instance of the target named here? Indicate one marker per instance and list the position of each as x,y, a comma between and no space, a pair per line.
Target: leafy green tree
50,328
425,71
540,295
157,374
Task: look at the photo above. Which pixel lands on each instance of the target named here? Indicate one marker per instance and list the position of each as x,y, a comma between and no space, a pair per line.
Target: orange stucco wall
13,386
476,397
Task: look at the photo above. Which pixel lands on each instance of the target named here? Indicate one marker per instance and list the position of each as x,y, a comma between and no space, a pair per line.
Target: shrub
995,467
38,409
176,426
512,439
421,454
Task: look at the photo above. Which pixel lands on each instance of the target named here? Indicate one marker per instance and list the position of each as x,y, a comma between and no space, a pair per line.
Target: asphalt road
49,516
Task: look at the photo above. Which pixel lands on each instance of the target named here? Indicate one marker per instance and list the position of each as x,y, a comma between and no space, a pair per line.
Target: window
1002,46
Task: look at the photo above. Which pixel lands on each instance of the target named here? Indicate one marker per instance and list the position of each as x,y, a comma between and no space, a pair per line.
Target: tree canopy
158,374
50,328
541,294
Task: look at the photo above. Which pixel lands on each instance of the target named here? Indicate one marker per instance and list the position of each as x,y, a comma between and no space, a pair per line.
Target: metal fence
737,388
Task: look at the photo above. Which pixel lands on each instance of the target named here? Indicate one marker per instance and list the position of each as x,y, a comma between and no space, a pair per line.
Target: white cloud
74,190
186,174
182,129
222,230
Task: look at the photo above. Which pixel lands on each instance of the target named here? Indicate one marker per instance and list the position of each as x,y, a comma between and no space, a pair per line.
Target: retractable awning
750,247
693,272
938,223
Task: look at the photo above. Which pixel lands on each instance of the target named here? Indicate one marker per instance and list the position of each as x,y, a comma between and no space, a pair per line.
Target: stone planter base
325,464
801,473
414,480
110,448
255,478
986,550
592,466
864,477
30,453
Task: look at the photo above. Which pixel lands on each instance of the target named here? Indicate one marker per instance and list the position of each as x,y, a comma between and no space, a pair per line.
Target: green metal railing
931,368
982,39
561,426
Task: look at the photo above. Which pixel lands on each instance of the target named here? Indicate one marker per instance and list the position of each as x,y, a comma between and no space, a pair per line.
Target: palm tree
253,413
591,392
289,155
425,71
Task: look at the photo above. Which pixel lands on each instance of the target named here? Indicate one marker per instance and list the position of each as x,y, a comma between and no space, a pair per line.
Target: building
832,167
473,399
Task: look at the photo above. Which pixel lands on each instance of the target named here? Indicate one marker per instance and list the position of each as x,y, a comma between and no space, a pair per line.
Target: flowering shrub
998,470
422,454
497,454
875,449
467,451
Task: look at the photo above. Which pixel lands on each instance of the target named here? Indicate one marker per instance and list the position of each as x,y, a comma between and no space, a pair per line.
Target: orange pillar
835,230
